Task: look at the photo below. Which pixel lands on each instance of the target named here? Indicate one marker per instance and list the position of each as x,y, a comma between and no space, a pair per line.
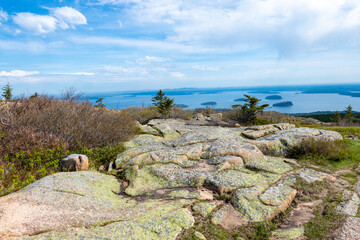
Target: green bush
336,154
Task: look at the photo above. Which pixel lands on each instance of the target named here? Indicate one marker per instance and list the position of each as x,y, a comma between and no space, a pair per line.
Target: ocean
305,99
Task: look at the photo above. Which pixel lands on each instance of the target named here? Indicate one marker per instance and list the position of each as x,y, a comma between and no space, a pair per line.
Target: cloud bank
285,25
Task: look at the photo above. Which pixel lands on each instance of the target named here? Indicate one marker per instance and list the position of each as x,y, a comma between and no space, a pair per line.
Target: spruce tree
349,115
7,92
250,109
336,118
163,103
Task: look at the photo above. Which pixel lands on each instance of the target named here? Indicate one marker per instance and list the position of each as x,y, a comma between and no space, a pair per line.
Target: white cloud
288,26
17,73
149,59
39,24
63,17
76,73
68,17
177,75
205,68
3,16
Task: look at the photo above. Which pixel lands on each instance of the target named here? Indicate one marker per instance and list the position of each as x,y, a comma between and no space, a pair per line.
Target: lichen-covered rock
160,223
74,162
199,236
310,175
350,230
276,195
146,129
349,206
255,134
204,208
88,204
166,131
288,234
143,139
270,164
257,207
228,217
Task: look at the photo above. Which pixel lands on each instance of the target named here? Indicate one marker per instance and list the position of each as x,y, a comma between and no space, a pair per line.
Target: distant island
182,105
240,99
273,97
283,104
208,103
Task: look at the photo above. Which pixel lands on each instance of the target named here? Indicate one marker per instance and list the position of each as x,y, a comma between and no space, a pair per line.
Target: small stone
74,162
199,236
310,175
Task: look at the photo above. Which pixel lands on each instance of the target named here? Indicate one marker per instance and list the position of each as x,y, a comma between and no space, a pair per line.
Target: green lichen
290,233
204,208
270,164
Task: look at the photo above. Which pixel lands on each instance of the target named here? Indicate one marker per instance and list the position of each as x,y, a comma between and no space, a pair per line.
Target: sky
118,45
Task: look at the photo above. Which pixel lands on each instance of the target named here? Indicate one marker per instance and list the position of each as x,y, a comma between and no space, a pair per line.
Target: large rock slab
87,199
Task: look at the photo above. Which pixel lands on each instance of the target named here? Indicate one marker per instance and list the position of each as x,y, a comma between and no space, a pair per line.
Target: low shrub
36,133
333,154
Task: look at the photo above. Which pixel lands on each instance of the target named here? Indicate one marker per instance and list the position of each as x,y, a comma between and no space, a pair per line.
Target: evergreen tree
250,109
99,103
7,92
336,118
163,103
349,115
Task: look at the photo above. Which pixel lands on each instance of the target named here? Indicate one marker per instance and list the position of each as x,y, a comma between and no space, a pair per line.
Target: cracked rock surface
173,170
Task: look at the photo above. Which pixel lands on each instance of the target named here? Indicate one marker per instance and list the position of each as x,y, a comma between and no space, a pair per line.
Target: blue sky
116,45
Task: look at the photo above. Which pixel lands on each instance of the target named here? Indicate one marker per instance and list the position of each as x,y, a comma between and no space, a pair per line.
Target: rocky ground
176,177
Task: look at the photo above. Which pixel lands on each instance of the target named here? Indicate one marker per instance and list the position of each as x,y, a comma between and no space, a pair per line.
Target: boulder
74,162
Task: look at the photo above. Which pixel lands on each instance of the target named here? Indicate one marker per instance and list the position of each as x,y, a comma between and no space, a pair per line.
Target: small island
283,104
208,103
240,99
182,105
274,97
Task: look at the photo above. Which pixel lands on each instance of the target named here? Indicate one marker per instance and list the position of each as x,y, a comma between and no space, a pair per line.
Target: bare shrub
142,114
70,94
74,123
181,114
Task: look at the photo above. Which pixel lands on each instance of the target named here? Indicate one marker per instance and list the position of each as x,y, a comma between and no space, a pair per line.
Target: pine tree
163,103
99,103
336,118
7,92
250,109
349,115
